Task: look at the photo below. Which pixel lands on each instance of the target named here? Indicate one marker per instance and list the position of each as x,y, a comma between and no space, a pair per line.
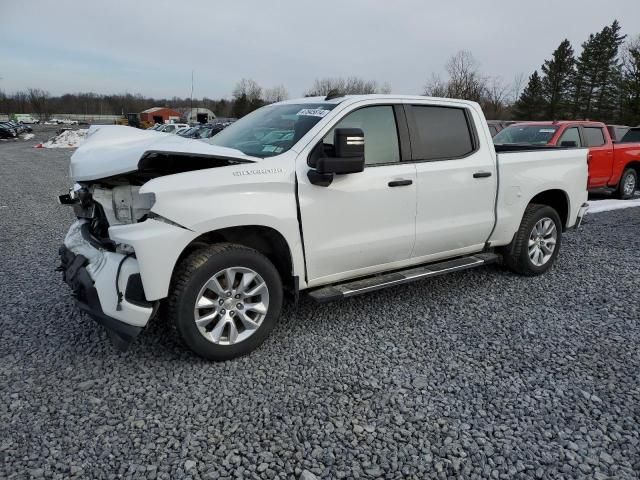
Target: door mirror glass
568,143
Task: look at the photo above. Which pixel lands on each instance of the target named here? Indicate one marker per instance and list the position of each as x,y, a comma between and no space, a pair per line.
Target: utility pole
191,108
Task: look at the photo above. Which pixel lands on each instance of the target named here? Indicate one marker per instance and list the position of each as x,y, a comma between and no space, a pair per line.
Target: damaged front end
117,246
103,274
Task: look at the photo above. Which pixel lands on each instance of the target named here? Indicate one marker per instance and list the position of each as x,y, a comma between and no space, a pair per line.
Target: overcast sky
150,47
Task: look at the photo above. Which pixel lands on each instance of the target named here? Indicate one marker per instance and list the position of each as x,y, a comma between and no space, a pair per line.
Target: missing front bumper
106,284
75,274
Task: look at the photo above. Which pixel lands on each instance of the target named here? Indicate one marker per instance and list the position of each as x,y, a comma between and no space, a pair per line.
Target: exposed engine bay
117,200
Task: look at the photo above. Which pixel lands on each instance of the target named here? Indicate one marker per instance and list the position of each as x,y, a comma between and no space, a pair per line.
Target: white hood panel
114,149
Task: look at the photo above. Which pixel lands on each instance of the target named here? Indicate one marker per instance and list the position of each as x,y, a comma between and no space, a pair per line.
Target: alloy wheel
542,241
629,185
231,305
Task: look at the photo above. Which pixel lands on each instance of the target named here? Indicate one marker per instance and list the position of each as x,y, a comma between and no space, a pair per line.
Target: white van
25,118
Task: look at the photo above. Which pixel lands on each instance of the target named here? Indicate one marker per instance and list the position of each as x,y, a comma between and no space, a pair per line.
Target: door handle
400,183
481,174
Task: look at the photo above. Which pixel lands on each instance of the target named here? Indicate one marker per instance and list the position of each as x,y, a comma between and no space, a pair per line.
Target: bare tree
494,102
464,79
21,101
275,94
249,89
516,86
435,87
39,100
346,86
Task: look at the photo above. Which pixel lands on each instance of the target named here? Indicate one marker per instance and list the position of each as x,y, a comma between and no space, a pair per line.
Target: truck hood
111,150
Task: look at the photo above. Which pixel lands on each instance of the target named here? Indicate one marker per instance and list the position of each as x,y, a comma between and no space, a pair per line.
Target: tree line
601,83
247,96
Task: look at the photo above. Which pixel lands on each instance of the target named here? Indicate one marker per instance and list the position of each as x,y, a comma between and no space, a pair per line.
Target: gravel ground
481,374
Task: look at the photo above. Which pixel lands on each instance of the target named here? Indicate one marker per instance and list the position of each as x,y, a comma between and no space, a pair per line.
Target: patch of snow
597,206
67,139
27,136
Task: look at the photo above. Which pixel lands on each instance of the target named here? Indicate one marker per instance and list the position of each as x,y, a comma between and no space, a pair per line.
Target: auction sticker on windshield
312,112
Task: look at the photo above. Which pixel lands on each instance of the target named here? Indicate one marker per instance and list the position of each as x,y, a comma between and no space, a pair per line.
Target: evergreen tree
556,81
531,104
240,106
597,76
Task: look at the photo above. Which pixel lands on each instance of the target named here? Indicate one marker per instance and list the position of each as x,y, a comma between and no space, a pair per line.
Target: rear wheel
628,184
225,300
535,247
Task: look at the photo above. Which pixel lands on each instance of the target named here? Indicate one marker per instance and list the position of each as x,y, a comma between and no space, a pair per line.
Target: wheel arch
558,200
635,165
266,240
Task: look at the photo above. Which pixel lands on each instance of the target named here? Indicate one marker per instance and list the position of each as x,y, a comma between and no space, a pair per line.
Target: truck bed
522,173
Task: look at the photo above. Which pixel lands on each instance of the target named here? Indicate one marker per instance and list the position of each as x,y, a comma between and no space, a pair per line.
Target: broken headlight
124,204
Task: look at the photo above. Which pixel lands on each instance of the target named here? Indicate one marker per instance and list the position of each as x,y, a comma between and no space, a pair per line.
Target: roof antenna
333,94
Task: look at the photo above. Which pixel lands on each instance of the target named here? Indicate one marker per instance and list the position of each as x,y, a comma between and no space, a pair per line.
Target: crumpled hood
115,149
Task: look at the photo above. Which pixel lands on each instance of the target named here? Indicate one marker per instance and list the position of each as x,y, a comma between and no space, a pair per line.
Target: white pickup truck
334,196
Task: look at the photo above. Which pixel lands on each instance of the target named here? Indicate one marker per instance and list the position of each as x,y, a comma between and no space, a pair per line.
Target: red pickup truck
611,165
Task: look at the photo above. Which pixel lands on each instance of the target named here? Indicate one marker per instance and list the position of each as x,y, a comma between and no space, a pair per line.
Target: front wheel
628,184
225,300
535,246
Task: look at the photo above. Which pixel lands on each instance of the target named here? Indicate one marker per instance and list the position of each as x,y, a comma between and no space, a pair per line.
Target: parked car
360,193
203,132
18,127
612,166
61,121
182,130
6,132
172,127
189,132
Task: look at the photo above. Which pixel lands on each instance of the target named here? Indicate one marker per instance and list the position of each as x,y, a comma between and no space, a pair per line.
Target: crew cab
332,196
614,166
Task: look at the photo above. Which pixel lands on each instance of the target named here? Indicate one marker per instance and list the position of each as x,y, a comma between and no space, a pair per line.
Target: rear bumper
581,213
92,275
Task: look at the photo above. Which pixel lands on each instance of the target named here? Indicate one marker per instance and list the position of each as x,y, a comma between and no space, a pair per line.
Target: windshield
633,135
189,131
271,130
529,134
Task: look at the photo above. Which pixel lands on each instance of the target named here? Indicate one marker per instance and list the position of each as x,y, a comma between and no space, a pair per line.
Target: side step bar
370,284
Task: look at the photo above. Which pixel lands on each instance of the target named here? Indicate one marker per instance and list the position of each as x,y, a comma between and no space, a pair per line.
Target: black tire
629,175
190,277
516,254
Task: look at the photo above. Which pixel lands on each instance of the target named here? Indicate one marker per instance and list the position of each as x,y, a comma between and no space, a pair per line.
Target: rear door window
594,136
570,138
440,133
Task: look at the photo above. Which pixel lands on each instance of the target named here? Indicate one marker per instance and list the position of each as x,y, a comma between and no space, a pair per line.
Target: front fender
260,194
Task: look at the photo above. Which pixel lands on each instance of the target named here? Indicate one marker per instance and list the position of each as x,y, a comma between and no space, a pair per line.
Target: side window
442,133
380,133
594,136
570,138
